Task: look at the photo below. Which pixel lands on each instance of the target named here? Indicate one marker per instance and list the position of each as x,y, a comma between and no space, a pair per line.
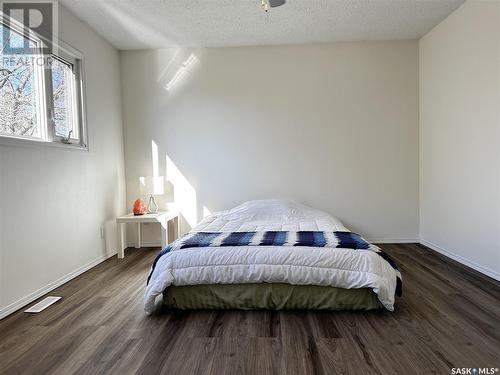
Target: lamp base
152,205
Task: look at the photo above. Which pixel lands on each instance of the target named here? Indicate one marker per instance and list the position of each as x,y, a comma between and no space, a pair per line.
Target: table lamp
151,185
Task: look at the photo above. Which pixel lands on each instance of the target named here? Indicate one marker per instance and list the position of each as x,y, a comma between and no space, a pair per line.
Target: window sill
20,142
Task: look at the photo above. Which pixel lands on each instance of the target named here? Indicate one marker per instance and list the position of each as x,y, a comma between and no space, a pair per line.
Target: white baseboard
44,290
145,244
376,240
493,274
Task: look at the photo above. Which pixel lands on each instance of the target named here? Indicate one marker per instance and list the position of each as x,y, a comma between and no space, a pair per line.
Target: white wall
332,125
460,136
53,201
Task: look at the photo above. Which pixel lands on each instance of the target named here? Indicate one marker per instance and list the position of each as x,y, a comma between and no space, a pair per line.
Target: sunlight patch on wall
166,69
184,193
206,212
154,158
185,69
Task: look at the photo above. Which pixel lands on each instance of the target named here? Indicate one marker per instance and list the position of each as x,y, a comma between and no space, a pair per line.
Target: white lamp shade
151,185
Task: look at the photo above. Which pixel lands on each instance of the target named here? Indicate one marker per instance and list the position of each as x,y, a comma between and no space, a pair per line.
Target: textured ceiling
139,24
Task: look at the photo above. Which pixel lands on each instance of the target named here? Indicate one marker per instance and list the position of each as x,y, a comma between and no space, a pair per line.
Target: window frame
68,55
43,78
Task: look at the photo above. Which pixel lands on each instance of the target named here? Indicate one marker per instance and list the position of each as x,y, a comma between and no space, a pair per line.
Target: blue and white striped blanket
338,239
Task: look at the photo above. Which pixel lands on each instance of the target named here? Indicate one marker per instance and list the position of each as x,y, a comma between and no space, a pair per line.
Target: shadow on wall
192,180
179,190
172,69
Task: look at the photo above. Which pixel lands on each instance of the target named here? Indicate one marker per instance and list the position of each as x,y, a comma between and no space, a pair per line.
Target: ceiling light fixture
266,4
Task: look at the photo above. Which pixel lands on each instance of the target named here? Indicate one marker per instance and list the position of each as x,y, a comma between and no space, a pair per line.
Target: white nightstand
162,217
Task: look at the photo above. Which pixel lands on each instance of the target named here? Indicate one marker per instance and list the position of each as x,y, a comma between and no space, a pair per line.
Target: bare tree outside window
18,94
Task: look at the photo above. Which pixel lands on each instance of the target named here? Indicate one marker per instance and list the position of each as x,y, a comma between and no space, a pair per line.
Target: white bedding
342,268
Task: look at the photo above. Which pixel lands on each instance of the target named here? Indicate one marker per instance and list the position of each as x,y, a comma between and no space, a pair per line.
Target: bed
272,254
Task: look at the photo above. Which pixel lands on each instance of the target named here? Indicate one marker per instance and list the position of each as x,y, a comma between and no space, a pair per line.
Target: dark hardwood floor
449,316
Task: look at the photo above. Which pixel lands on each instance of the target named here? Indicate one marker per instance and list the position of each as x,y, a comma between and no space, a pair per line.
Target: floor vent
43,304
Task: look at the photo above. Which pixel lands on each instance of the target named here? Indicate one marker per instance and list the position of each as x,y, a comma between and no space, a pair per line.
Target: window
41,97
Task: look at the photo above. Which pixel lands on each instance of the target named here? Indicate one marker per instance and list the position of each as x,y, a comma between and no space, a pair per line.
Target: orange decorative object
139,207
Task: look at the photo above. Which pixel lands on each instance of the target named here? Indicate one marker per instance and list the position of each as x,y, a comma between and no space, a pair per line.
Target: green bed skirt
267,296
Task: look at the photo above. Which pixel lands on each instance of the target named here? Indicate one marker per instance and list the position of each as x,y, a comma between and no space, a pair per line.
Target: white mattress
270,214
342,268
